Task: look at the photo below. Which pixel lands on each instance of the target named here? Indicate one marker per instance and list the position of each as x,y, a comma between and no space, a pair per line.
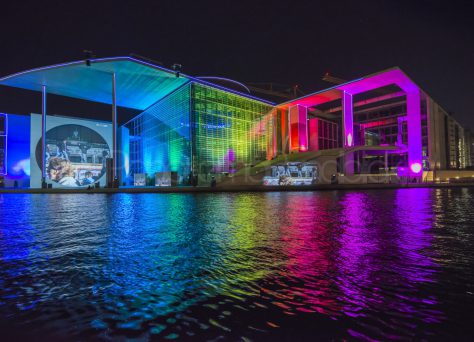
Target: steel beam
114,128
43,133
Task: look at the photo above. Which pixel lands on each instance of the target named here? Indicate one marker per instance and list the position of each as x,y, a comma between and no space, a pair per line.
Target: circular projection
75,155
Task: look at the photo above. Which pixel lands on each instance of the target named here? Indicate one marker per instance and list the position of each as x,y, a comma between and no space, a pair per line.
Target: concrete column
43,133
347,119
303,128
415,151
348,132
349,164
298,128
114,128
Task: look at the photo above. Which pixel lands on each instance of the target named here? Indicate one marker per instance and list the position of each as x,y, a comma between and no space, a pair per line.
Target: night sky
286,42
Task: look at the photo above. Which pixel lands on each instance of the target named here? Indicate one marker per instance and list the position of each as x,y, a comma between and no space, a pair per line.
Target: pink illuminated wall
293,128
313,134
298,134
347,90
303,128
348,119
415,148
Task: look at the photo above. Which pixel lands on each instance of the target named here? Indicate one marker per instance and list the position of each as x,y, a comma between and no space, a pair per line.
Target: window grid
229,133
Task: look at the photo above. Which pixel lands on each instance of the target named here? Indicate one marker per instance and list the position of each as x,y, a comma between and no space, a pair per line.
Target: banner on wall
76,151
292,174
139,179
166,178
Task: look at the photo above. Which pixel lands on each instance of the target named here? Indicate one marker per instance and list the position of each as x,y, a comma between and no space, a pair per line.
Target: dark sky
290,42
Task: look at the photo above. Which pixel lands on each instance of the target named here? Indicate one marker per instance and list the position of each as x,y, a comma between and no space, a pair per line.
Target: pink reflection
355,254
387,257
308,255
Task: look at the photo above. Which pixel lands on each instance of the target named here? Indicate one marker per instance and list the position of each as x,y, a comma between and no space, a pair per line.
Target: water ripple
373,265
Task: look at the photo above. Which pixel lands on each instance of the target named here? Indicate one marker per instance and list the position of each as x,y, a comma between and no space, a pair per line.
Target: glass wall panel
229,130
160,137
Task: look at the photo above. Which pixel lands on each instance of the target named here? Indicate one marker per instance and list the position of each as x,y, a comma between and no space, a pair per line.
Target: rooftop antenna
177,68
88,55
332,79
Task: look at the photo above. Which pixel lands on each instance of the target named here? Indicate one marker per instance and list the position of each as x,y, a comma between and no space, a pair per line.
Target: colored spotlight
349,139
415,167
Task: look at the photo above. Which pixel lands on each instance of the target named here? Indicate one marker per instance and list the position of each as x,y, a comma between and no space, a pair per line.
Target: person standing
63,150
84,149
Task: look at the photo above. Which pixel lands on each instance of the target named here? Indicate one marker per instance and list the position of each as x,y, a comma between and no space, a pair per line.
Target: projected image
293,174
75,155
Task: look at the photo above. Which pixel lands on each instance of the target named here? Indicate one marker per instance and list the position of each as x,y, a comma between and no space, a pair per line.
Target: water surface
371,265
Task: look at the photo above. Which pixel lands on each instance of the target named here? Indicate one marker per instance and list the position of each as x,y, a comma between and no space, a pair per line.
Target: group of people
62,151
300,170
74,160
61,171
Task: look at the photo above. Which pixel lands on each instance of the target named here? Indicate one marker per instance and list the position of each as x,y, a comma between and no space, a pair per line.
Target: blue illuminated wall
17,150
124,154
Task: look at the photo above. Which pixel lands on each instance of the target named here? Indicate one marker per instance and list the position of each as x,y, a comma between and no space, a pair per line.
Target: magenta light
346,92
415,148
302,127
415,167
348,118
349,139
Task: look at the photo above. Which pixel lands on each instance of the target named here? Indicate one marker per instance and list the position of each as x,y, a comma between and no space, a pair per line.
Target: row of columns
298,136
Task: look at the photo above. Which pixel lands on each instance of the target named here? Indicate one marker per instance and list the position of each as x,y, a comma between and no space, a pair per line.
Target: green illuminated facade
228,133
198,130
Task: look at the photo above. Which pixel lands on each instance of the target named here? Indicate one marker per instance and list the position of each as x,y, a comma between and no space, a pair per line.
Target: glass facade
229,131
198,128
160,137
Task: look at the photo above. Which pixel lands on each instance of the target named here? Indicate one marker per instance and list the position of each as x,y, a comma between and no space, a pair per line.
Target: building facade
380,124
198,130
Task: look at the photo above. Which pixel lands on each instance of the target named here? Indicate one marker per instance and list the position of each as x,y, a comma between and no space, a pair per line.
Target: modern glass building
190,130
198,130
186,126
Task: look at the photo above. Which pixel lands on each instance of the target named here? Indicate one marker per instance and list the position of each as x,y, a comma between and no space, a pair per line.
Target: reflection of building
380,124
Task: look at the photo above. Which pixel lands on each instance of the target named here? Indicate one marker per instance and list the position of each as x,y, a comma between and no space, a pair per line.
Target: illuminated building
381,124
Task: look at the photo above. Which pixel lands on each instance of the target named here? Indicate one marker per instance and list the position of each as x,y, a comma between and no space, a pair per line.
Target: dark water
373,265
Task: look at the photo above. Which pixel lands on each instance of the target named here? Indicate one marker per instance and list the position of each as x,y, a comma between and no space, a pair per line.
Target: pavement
230,188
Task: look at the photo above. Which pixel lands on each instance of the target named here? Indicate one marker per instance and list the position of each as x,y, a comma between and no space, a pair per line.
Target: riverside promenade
231,188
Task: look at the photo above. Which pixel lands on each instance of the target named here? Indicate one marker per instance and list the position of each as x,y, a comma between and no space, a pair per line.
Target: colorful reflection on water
374,265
